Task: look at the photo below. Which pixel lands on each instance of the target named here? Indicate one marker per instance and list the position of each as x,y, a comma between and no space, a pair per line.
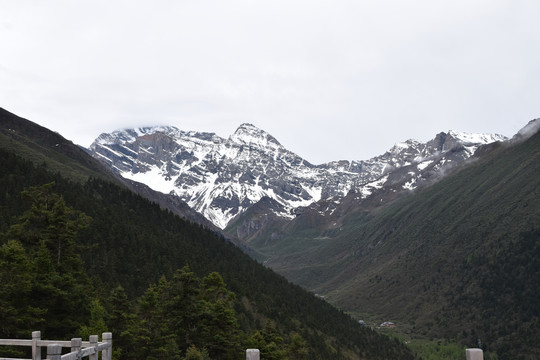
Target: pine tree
120,314
297,349
219,326
19,315
57,286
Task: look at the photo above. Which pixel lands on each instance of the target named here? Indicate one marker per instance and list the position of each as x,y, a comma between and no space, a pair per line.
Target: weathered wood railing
79,348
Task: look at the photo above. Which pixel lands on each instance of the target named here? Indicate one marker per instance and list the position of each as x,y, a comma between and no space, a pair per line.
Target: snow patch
472,138
154,178
421,166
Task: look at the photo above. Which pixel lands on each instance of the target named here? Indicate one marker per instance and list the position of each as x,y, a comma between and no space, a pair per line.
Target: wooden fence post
93,343
474,354
36,350
107,353
253,354
54,352
76,344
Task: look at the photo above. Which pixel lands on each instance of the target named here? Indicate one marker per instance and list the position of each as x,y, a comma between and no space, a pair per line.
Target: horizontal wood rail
79,348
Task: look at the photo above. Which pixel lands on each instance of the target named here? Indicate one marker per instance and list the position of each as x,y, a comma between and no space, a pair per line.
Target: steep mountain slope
58,154
42,146
221,178
132,242
459,259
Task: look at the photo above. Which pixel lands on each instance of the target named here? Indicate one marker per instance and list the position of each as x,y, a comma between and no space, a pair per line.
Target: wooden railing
470,354
79,348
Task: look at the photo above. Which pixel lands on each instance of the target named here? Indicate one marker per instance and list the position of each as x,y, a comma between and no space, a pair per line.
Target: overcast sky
330,80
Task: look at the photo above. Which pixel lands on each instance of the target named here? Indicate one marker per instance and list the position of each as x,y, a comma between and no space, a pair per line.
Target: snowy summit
221,178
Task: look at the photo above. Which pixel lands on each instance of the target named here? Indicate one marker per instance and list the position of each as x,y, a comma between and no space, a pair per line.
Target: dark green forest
82,257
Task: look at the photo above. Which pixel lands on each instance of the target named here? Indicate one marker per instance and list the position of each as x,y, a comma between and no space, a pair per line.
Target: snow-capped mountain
221,178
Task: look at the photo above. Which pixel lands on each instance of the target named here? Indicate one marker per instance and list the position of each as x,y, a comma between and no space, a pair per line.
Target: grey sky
330,80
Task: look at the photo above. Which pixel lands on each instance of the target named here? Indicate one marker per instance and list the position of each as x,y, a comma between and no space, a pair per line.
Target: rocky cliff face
221,178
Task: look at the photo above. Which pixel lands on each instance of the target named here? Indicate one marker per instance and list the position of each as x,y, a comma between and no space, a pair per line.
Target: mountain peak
400,146
475,138
249,134
247,126
221,178
131,134
528,130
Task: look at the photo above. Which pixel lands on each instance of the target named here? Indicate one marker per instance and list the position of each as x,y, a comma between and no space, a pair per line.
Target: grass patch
438,349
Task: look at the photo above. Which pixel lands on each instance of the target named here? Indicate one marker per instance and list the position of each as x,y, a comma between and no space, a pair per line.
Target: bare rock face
221,178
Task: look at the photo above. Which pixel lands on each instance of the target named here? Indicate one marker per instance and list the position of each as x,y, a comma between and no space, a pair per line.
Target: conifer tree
19,315
219,327
57,285
120,314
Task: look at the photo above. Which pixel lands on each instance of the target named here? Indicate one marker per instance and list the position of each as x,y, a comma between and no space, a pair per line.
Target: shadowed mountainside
132,242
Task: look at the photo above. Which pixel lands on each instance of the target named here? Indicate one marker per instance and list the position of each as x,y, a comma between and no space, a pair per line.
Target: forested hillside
81,254
458,260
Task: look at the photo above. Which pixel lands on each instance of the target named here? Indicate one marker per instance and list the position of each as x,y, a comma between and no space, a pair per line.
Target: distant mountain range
442,238
222,178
